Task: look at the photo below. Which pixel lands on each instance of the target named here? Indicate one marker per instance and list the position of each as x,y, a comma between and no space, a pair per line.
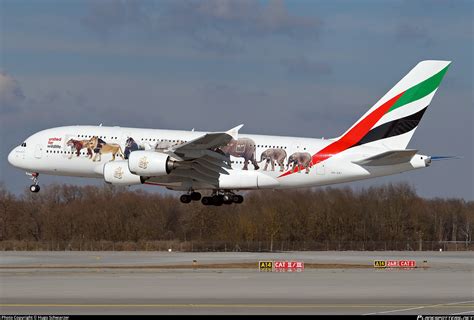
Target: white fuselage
47,152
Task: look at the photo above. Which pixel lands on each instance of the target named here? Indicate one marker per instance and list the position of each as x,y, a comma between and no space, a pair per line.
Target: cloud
11,94
303,67
215,25
244,18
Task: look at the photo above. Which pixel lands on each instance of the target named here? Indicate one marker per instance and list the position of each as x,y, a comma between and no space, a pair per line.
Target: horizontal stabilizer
438,158
388,158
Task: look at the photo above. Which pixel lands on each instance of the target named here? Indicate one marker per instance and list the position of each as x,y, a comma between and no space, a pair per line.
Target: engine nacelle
117,172
150,163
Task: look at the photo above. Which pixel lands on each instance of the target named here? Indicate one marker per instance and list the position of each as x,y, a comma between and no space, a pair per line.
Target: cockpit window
23,144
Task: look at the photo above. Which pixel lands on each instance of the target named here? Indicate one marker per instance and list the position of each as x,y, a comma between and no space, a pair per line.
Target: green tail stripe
421,90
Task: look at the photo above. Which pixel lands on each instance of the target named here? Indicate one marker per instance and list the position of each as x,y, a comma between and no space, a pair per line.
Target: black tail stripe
393,128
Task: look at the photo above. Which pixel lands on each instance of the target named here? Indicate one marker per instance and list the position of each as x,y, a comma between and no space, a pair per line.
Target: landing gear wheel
195,196
220,197
227,199
185,198
237,198
217,200
35,186
206,201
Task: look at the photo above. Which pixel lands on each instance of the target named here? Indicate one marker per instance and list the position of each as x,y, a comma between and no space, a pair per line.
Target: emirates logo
143,163
118,173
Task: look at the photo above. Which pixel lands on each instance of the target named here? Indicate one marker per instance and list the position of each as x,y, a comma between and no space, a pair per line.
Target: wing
194,148
200,160
388,158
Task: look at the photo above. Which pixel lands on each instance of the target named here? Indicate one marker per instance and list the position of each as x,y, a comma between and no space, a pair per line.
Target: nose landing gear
35,186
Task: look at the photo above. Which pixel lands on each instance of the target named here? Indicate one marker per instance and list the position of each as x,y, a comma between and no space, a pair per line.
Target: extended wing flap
193,165
388,158
195,175
201,159
213,164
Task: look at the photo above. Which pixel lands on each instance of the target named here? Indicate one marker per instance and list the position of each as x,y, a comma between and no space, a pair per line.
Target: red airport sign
395,264
288,266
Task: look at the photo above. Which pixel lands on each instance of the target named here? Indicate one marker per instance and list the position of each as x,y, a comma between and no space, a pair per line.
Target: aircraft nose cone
12,157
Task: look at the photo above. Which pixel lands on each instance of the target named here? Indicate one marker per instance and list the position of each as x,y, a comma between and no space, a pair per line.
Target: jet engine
150,163
117,172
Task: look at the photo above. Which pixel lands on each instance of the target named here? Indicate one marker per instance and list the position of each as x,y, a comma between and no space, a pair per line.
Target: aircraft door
320,168
38,151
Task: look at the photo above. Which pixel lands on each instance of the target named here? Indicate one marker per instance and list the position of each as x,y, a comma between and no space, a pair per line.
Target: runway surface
136,283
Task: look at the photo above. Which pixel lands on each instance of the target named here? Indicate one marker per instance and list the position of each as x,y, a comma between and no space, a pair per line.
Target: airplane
225,163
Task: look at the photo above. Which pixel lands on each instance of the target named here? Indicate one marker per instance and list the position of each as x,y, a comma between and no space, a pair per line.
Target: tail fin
391,122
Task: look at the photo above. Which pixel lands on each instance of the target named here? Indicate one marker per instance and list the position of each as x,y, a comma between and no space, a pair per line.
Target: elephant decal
272,156
300,160
242,148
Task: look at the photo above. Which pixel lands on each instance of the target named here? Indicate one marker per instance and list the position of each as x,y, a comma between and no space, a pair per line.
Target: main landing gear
219,198
192,196
35,186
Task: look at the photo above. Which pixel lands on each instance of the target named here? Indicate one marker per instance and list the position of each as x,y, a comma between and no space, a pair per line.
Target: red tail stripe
353,136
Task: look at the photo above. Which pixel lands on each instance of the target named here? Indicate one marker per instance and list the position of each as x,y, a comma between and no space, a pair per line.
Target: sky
296,68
